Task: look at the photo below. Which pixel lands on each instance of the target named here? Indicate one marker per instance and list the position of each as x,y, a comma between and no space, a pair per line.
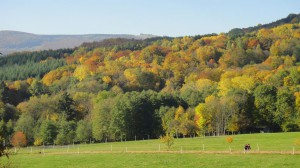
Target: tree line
185,86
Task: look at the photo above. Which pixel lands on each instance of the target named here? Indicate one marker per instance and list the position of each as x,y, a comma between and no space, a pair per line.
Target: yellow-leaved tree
81,72
199,118
244,82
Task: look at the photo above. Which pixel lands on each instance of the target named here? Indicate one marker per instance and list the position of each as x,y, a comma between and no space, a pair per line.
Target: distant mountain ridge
14,41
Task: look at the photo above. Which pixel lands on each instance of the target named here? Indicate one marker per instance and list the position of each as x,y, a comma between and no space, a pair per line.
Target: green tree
7,112
295,76
26,125
285,113
265,98
39,107
4,92
66,107
102,119
195,92
3,128
167,115
66,132
38,88
136,114
10,127
48,131
83,131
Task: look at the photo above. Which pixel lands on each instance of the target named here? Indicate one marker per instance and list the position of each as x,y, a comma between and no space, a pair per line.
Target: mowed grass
125,160
268,150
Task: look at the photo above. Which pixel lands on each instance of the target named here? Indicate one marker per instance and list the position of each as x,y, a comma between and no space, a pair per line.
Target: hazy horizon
70,34
168,17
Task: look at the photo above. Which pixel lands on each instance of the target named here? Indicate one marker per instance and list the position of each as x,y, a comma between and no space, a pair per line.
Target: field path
176,152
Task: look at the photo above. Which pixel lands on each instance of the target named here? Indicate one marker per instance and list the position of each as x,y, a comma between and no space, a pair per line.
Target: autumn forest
246,80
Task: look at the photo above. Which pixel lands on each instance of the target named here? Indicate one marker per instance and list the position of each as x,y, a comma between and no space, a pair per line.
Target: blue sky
158,17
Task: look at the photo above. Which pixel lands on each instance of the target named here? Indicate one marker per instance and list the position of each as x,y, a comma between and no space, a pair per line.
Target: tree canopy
242,81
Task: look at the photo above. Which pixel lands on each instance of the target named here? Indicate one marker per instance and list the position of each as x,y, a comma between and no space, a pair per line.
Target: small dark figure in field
247,147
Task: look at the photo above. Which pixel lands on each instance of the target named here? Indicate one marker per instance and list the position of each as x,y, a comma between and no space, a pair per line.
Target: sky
157,17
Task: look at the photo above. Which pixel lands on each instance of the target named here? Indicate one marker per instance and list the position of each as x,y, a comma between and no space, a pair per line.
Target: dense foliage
22,65
129,89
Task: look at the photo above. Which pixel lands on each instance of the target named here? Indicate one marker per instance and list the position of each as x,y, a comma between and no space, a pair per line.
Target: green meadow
268,150
156,160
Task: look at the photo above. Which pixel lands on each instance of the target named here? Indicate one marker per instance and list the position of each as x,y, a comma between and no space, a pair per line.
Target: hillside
12,41
126,89
291,18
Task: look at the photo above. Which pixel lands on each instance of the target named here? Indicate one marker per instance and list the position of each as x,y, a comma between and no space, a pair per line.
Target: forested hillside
126,89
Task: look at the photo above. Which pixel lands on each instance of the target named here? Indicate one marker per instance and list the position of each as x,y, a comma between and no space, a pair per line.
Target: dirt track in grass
177,152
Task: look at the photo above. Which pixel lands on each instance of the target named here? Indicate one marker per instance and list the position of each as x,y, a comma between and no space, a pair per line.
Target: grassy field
268,150
156,160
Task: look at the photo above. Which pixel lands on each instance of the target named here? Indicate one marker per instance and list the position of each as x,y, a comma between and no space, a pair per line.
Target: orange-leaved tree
229,140
19,139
